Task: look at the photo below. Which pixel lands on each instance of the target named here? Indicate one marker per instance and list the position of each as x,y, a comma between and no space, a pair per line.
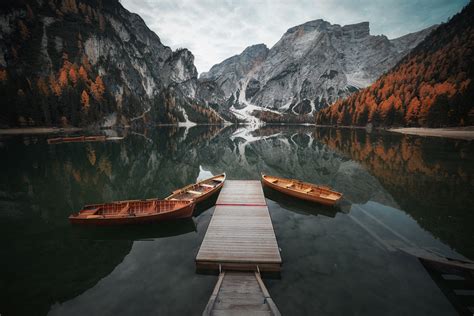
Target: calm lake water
400,191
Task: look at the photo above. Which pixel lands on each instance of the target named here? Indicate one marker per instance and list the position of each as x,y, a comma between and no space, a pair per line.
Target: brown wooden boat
133,212
302,190
76,139
200,191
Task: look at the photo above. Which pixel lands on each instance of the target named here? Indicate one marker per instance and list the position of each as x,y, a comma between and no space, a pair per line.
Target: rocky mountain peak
255,50
310,67
357,31
429,87
231,70
80,62
309,26
181,66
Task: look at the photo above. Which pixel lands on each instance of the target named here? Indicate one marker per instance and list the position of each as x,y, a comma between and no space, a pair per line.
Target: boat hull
183,212
299,195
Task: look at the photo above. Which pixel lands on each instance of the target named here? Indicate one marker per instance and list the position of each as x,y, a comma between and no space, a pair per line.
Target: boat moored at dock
133,212
302,190
199,191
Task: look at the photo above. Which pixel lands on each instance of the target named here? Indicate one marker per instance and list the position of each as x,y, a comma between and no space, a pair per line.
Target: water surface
400,191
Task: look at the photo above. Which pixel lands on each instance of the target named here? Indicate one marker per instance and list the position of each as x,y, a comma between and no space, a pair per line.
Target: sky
214,30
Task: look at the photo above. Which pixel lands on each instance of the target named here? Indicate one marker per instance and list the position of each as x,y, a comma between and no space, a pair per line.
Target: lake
399,191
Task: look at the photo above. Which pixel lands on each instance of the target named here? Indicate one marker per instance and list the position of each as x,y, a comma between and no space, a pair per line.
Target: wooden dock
240,242
240,235
240,293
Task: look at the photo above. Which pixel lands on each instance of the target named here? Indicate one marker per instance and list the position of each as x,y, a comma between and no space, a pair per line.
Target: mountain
311,66
432,86
229,73
83,62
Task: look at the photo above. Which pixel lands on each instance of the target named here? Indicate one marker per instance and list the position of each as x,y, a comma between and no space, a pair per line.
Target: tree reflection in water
50,262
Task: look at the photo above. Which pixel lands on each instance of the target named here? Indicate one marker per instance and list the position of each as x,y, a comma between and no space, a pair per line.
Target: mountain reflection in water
431,179
420,187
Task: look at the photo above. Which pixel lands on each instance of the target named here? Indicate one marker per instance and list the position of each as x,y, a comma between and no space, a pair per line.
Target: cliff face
229,73
432,86
81,62
311,66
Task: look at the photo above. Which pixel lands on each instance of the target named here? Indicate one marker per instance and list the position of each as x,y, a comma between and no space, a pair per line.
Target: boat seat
307,190
206,185
125,209
274,181
91,211
290,185
194,192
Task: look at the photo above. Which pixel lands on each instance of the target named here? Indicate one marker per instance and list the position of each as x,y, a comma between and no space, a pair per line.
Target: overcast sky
214,30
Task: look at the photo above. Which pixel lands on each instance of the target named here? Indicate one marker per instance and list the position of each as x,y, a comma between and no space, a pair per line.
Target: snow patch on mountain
310,67
358,79
187,122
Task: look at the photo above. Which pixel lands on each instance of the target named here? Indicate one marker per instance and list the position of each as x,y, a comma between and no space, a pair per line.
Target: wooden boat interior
303,187
195,190
132,208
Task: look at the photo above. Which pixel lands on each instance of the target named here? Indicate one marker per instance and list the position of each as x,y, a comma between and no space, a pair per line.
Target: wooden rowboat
302,190
200,191
76,139
132,212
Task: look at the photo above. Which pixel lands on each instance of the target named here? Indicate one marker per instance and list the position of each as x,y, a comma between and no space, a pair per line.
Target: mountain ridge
431,86
85,62
286,79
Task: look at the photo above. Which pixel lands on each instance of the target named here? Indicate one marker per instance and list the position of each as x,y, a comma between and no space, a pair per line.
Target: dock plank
240,293
241,231
240,242
241,193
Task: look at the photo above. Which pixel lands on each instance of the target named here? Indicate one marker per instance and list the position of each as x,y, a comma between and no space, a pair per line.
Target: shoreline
465,133
37,130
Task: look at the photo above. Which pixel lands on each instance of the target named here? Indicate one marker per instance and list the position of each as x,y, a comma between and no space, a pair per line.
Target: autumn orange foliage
3,75
98,88
69,6
54,85
83,74
85,99
431,86
73,76
63,80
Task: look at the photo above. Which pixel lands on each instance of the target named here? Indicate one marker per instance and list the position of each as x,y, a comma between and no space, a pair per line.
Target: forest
71,91
431,87
47,78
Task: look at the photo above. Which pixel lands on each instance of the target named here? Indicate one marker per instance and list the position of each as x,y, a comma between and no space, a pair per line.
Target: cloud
217,29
